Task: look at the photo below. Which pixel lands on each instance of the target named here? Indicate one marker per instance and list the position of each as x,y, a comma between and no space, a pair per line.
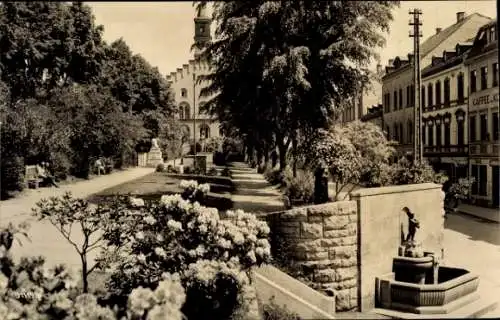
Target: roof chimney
438,30
460,16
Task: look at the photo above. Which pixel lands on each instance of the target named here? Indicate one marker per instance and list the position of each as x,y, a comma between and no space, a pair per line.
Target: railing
456,150
484,148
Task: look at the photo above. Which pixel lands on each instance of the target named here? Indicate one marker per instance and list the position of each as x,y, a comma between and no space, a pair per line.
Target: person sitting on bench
43,173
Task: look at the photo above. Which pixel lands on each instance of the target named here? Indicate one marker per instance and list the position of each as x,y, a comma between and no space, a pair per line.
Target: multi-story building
444,102
483,103
397,83
186,87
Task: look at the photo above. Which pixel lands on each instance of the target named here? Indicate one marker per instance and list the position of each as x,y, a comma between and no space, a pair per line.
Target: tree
298,63
355,153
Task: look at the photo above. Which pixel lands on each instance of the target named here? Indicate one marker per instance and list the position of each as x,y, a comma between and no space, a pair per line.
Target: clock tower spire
202,35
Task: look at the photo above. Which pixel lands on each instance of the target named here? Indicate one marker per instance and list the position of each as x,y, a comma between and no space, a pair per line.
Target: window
483,127
412,96
430,97
184,93
484,78
388,132
204,131
474,174
493,34
438,93
460,133
395,101
483,181
495,126
185,111
473,81
447,134
495,74
202,29
438,133
396,135
472,128
423,97
423,135
460,88
401,136
407,96
410,132
400,98
201,107
430,131
447,92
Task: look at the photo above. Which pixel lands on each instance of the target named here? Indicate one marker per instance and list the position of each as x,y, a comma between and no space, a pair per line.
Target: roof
432,42
480,46
444,64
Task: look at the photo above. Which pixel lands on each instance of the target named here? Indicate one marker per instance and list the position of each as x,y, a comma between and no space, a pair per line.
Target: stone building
444,101
483,103
397,83
187,91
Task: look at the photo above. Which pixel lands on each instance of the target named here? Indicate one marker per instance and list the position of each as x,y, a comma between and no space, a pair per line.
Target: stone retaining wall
322,241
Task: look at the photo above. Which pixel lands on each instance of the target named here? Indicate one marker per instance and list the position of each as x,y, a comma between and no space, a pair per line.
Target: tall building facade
397,83
186,88
483,74
460,121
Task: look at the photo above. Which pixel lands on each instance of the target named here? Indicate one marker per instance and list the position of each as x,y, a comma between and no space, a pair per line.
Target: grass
156,184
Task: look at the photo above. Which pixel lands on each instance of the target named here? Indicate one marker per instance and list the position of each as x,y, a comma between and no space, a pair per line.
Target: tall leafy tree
297,62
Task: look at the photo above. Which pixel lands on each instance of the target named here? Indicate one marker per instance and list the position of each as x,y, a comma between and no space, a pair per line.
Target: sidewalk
253,192
492,215
45,239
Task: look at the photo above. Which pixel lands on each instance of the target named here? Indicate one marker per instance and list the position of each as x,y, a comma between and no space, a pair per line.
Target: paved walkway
253,192
480,212
45,239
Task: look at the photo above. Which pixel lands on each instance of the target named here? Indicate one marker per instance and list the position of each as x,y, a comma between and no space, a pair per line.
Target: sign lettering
485,99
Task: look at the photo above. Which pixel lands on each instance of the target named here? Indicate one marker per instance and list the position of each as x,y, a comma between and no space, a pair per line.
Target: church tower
202,35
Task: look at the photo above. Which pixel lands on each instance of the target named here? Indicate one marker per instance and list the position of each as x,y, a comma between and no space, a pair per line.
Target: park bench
31,177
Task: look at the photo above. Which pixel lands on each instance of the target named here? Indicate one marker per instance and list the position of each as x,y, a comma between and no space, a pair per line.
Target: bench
31,177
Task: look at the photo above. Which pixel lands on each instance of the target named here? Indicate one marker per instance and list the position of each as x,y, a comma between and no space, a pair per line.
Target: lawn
156,184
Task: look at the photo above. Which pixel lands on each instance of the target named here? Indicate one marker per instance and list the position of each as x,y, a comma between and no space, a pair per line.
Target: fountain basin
455,288
413,270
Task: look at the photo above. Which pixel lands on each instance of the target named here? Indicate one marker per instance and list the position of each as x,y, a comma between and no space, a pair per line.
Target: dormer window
493,34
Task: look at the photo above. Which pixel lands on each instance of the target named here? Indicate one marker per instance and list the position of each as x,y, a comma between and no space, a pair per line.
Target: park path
45,239
253,192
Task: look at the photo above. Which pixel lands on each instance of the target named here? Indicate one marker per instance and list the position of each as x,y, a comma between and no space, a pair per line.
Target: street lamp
194,117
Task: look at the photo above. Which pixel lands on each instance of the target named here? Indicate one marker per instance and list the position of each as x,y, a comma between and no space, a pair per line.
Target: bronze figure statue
413,225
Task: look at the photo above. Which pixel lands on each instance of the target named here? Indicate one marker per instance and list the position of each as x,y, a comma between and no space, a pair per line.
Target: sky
162,32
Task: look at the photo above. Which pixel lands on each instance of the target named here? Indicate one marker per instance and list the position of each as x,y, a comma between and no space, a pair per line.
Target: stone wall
380,222
322,241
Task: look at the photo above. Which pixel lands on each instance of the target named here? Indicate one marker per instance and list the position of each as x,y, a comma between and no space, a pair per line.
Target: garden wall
322,241
343,246
379,229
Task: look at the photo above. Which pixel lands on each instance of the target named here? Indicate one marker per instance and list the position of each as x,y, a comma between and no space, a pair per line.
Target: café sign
491,98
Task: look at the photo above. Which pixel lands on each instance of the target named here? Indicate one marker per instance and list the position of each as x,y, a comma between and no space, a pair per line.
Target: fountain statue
418,284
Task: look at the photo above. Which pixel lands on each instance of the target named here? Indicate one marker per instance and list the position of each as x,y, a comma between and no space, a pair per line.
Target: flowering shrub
406,172
459,191
28,290
194,191
175,234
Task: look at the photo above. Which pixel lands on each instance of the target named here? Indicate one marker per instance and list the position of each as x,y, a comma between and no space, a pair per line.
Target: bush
212,172
172,169
173,235
272,311
188,170
160,167
406,172
219,158
274,176
300,187
12,174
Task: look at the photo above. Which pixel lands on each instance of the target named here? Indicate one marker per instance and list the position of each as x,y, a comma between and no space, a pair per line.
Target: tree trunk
294,148
320,186
85,280
282,155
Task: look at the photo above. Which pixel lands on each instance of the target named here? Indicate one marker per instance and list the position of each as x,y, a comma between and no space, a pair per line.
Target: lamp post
194,117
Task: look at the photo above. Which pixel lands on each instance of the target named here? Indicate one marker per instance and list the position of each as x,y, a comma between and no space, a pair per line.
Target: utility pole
194,117
418,148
